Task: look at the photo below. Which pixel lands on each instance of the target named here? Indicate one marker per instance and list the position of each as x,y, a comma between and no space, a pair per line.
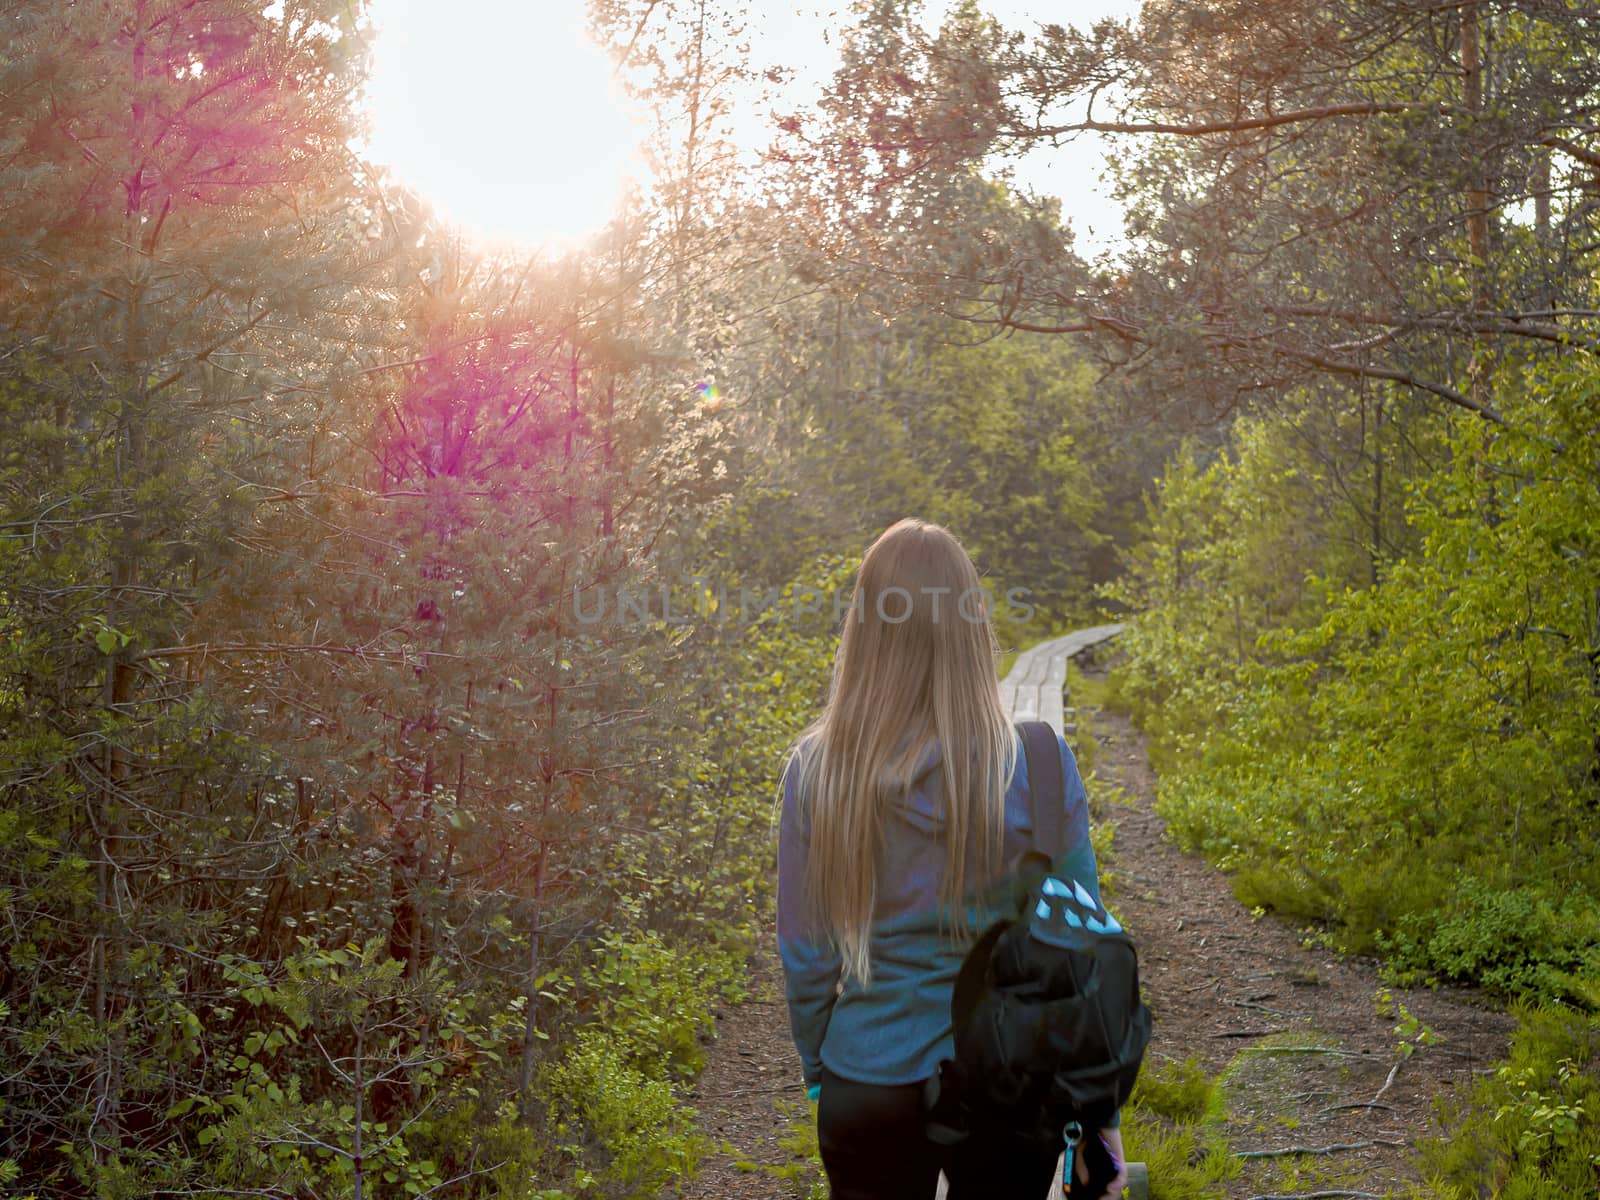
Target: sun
503,114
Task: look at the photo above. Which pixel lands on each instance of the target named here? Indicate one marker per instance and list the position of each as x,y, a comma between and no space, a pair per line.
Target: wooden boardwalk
1037,681
1034,689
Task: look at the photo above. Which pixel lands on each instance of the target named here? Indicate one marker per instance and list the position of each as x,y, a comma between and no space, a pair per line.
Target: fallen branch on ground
745,1091
1358,1104
1393,1071
1288,1150
1281,1012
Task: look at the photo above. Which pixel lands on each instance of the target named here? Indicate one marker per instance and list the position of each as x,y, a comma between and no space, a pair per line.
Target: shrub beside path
1317,1089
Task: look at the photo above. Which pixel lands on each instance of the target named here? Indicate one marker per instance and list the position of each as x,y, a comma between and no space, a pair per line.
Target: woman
904,805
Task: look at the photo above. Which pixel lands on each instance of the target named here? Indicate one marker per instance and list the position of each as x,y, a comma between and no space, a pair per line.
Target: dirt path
1305,1057
752,1075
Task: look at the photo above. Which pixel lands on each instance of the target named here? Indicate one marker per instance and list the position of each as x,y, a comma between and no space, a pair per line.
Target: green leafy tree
1345,191
184,254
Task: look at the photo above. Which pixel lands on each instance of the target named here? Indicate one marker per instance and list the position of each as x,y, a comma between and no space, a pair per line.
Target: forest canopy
400,636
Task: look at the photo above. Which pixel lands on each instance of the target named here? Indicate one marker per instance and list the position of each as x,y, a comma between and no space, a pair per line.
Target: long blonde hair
916,661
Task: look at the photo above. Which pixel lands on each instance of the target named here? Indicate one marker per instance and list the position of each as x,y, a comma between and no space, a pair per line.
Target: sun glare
502,114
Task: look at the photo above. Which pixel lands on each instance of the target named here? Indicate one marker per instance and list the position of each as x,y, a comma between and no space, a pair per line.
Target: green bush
474,1133
1522,941
1400,749
656,1000
626,1135
610,1096
1531,1131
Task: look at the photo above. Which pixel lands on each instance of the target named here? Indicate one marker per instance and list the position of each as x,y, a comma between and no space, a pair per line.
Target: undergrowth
803,1165
1531,1130
1090,693
1173,1124
612,1094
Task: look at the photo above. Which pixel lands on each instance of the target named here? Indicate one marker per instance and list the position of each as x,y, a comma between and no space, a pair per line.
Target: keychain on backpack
1072,1134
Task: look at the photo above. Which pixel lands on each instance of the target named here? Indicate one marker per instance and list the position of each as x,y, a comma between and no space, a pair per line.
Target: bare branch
1238,125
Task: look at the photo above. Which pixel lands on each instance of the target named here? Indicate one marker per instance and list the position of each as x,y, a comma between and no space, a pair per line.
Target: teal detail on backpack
1063,911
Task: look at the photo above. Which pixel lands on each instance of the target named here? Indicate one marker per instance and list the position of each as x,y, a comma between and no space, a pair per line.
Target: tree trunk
1477,199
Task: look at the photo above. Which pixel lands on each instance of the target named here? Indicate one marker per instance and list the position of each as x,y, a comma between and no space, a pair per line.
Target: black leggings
873,1148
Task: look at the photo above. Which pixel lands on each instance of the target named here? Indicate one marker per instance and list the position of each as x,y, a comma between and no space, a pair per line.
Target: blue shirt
896,1030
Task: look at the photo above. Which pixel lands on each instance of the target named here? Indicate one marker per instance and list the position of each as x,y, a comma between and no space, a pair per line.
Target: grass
1179,1091
1174,1125
1533,1125
1086,692
1102,835
803,1166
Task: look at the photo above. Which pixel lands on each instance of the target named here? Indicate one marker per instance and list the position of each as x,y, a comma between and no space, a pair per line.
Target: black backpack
1049,1027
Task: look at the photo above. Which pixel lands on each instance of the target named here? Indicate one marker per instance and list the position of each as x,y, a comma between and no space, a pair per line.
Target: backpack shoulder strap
1044,780
1046,787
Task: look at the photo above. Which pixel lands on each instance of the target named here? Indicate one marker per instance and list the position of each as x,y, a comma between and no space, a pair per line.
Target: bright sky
504,116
